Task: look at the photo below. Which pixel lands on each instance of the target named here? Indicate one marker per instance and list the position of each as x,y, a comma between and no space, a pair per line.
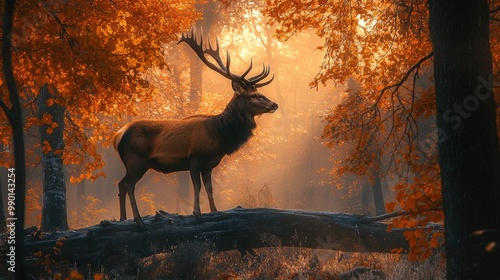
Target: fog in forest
285,165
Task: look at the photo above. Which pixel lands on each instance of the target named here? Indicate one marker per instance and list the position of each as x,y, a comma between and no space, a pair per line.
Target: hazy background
285,165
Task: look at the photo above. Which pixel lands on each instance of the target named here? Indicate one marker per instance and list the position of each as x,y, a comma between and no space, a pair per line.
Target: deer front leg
207,181
195,177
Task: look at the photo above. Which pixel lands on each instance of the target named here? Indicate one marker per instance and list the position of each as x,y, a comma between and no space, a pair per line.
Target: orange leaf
49,102
390,206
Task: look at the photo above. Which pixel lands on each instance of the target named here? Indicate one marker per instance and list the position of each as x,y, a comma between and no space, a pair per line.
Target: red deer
197,143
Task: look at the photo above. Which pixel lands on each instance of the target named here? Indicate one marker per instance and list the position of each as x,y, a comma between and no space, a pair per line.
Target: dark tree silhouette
14,115
468,141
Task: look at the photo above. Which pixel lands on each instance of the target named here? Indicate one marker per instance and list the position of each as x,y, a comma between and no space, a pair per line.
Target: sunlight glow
366,24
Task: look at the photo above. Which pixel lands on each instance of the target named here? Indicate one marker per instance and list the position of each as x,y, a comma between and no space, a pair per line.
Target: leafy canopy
386,121
91,55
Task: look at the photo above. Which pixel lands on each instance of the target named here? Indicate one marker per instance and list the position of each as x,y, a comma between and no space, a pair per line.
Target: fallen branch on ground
240,229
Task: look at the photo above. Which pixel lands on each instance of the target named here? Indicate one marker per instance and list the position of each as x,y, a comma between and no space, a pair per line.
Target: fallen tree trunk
241,229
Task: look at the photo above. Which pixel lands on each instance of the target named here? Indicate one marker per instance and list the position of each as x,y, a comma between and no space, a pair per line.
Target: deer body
197,143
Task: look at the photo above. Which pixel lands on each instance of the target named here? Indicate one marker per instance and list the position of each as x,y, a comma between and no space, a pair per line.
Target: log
239,228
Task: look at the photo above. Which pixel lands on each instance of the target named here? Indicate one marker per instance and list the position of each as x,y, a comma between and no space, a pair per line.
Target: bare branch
65,34
397,85
391,215
495,10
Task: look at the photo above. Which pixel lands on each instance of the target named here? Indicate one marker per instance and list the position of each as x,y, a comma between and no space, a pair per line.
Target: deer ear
238,87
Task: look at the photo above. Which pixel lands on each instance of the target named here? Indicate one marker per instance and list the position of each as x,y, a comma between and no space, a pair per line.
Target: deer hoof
141,226
197,215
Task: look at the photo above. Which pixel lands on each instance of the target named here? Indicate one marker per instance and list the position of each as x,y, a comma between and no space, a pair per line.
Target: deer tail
117,138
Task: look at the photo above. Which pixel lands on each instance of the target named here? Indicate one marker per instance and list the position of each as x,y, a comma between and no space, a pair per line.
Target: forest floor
200,261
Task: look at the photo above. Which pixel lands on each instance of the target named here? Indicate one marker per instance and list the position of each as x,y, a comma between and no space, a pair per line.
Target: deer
197,143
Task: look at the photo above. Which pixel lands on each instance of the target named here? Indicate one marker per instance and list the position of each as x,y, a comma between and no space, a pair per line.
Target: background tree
54,213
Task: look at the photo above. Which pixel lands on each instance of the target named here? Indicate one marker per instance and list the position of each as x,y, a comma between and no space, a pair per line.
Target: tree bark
54,212
468,142
241,229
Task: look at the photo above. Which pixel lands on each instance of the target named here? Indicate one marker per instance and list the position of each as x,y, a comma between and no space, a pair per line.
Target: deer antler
265,72
201,49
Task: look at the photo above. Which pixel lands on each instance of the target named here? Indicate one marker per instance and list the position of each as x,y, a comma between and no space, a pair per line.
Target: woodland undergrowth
198,260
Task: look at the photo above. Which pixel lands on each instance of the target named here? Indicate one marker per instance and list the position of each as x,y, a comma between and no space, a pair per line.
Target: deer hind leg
127,186
122,194
207,181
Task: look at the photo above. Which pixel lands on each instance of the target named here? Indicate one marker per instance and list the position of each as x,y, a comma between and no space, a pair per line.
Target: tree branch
394,215
397,85
65,34
495,10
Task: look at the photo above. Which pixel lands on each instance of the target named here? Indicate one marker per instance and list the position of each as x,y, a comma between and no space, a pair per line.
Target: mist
284,165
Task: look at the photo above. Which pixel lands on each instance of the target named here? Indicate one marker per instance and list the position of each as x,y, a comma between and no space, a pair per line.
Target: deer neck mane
233,127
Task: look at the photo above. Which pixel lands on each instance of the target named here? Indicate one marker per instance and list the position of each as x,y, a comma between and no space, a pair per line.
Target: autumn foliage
104,60
386,120
92,57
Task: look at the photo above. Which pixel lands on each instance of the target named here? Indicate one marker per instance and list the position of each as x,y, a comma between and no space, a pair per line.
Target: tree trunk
54,214
378,195
366,197
468,142
241,229
195,65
